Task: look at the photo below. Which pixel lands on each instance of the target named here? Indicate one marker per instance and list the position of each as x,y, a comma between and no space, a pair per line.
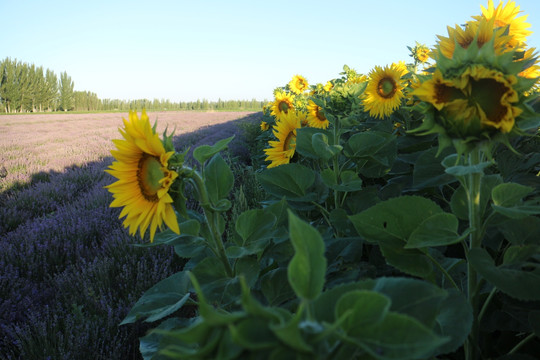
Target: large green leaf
512,280
219,179
307,268
521,231
374,152
275,287
509,194
454,321
254,225
161,300
321,147
428,170
205,152
359,308
437,230
417,298
410,261
395,218
398,336
253,333
289,180
304,145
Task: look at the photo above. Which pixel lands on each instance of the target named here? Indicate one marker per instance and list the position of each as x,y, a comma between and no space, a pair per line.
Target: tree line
28,88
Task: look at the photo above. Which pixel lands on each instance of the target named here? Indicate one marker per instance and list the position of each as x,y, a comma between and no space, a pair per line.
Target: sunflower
506,15
420,53
316,116
144,179
532,71
328,86
479,99
492,95
384,90
439,91
482,30
282,150
264,126
282,104
298,84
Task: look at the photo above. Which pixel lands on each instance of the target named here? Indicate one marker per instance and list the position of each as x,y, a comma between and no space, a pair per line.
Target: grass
70,272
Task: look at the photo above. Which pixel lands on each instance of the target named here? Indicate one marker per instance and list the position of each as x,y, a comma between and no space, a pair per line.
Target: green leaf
437,230
520,284
454,321
395,218
359,308
417,298
150,344
254,225
518,212
275,287
321,147
428,170
521,231
534,322
289,333
205,152
459,203
289,180
307,268
373,151
509,194
253,333
212,316
219,179
464,170
410,261
304,145
161,300
398,336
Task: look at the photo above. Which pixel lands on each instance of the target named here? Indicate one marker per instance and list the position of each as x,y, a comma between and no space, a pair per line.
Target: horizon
184,52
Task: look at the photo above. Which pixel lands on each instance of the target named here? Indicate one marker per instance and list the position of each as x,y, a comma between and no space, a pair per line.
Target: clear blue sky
188,50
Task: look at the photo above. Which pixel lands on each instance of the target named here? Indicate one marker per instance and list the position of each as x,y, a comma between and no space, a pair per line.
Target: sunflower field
399,216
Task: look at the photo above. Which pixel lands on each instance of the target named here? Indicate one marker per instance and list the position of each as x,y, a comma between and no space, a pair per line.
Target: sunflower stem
212,221
475,241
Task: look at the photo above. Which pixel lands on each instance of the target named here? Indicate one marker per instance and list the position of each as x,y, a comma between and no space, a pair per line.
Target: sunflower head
506,17
282,150
316,117
384,90
420,53
144,178
298,84
479,32
328,86
283,103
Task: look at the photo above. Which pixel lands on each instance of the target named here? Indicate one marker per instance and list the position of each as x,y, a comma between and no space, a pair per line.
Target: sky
230,50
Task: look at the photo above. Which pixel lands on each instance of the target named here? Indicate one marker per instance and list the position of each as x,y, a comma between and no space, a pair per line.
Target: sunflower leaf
205,152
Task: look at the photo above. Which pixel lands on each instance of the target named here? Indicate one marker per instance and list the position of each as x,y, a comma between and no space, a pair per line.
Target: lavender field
69,270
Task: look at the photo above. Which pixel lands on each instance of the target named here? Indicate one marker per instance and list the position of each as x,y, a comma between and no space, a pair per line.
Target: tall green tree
51,90
66,92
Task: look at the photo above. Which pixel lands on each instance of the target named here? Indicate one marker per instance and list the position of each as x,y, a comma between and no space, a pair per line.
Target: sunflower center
283,106
289,142
386,88
149,174
319,114
488,93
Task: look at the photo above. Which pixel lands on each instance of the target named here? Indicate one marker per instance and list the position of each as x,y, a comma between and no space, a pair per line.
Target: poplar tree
66,92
